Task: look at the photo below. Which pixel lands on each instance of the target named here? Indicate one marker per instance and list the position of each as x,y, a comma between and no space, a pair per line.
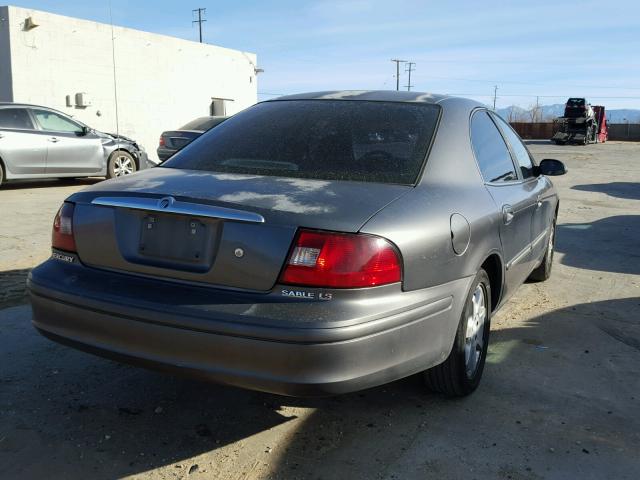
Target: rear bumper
257,350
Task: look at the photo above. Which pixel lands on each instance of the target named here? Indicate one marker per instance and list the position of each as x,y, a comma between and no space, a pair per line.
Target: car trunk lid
177,139
227,230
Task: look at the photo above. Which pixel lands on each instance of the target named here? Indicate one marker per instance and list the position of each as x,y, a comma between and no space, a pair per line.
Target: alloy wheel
122,165
474,337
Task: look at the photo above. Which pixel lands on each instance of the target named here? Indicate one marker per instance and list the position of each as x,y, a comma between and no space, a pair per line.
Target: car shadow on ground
626,190
13,286
524,406
49,183
609,245
66,414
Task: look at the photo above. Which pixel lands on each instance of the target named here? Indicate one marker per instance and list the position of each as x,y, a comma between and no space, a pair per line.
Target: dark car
310,245
578,107
173,140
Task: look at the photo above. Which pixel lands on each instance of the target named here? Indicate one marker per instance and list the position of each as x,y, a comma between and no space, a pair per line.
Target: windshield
383,142
203,123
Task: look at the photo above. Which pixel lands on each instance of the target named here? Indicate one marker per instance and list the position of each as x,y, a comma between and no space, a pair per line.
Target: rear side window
366,141
15,118
491,152
520,152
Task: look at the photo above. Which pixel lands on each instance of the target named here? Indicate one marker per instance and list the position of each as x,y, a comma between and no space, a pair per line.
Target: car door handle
507,214
54,139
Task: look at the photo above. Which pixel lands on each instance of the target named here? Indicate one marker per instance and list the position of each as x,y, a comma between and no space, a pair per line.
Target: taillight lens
340,260
161,142
62,235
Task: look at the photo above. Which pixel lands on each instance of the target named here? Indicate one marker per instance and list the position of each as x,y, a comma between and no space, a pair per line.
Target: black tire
452,377
1,174
543,271
117,162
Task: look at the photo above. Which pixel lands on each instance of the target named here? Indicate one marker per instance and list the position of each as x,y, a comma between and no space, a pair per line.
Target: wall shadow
626,190
609,245
537,142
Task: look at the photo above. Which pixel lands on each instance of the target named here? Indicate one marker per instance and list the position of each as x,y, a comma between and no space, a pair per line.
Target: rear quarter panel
419,223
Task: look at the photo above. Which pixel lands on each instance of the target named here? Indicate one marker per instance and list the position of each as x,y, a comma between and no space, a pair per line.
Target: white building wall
161,82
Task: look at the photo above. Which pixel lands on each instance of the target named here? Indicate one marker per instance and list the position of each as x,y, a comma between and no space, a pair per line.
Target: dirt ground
560,397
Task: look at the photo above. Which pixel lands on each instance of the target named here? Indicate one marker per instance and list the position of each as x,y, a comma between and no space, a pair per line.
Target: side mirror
83,131
551,167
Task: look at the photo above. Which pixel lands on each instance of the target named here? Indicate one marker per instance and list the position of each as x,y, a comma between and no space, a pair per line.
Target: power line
398,71
409,68
529,83
534,95
200,20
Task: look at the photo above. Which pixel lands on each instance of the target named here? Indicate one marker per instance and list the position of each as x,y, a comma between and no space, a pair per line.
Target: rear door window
15,118
519,151
367,141
491,150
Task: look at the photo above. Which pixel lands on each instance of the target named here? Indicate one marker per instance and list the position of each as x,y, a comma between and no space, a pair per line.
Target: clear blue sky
553,49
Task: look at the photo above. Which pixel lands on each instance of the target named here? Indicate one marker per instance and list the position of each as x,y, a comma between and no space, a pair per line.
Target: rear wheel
460,373
121,163
543,271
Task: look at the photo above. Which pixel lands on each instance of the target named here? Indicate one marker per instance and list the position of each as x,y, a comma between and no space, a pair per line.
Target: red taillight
340,260
62,235
161,141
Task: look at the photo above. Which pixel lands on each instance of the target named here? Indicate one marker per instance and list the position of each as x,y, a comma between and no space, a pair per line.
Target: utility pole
495,94
200,20
409,68
398,71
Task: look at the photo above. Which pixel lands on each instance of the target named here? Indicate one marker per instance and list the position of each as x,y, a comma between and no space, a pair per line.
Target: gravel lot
560,398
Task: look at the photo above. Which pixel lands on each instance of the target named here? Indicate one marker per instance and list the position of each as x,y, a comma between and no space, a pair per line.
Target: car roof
18,104
370,95
29,105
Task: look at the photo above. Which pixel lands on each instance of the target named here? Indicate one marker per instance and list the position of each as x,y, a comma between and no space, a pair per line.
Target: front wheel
121,163
460,373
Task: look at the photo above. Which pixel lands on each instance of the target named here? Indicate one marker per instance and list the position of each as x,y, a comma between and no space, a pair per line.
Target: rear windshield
202,123
383,142
575,102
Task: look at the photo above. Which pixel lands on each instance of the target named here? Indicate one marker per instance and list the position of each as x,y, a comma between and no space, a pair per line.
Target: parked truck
581,123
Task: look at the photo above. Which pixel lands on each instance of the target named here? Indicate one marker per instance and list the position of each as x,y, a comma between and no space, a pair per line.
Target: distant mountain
623,115
549,112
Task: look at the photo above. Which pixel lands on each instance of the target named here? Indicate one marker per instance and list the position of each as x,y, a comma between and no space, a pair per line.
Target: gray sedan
39,142
310,245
